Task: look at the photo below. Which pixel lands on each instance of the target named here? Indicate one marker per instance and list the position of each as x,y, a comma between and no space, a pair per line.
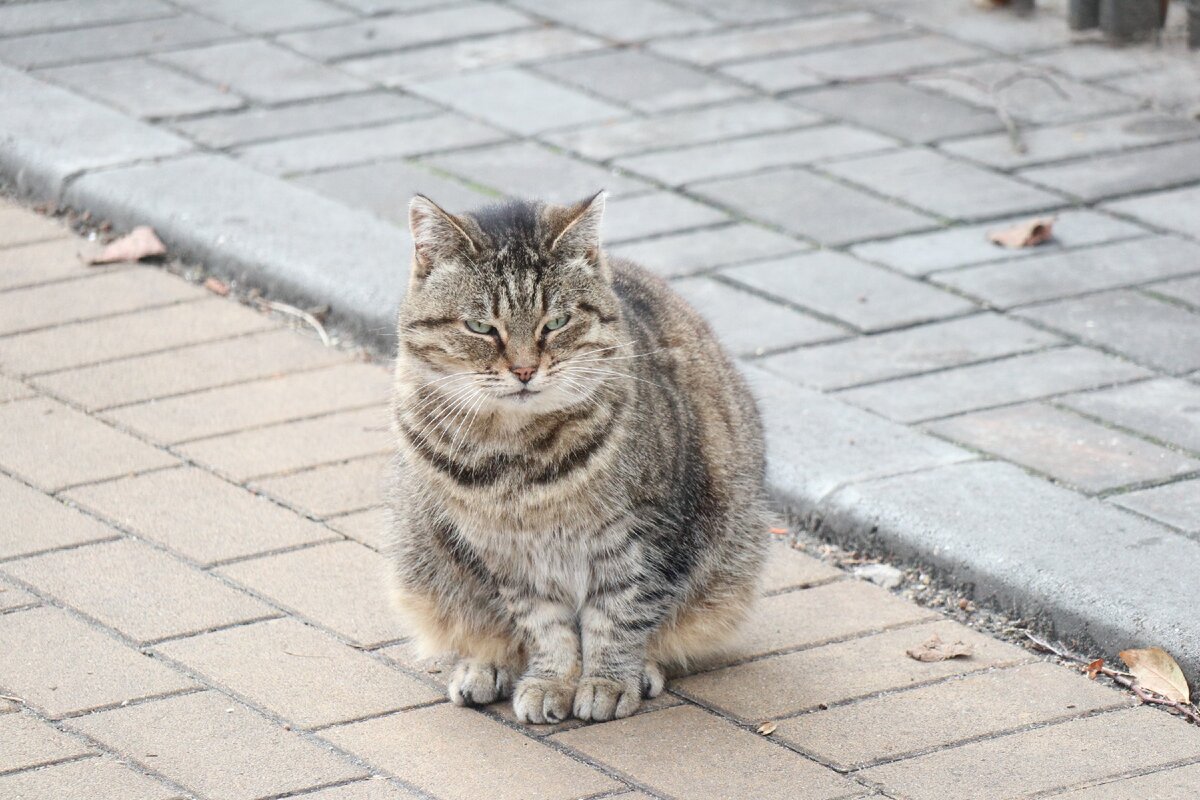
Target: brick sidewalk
191,605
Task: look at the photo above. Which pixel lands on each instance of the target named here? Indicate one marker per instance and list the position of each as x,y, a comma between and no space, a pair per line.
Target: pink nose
524,374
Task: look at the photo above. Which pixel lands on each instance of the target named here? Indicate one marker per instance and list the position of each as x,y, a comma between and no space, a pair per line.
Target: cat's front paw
601,699
477,683
543,701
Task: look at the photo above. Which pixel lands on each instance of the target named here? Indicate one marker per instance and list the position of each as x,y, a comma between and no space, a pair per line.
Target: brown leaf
1029,233
139,243
216,286
1156,671
1093,669
934,649
767,728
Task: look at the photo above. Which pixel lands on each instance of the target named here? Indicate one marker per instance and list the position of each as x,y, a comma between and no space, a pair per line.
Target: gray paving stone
1170,784
142,88
655,214
17,18
642,81
263,71
1011,380
621,20
682,128
747,11
943,186
877,59
834,284
12,598
697,251
1170,86
813,206
900,110
264,16
1098,60
774,75
517,100
411,30
1174,210
112,41
1165,408
1001,30
1140,327
1184,289
41,152
866,359
1123,173
749,325
1067,447
1175,504
385,187
961,246
707,161
378,7
1063,274
257,124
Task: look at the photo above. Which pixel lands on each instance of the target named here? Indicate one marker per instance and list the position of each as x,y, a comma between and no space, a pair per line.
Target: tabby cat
578,499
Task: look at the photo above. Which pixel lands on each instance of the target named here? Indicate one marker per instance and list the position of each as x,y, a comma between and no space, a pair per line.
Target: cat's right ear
437,235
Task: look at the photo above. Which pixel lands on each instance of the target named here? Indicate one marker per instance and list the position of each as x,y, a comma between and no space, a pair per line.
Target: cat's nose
524,374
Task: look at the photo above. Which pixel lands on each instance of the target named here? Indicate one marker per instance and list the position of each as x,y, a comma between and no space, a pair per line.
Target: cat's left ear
575,230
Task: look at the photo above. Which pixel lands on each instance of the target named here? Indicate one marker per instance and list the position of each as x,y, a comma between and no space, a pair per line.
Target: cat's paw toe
600,699
477,683
543,701
653,680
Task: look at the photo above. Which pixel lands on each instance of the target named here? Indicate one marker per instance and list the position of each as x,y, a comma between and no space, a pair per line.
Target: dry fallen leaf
216,286
767,728
934,649
1093,669
139,243
1156,671
1029,233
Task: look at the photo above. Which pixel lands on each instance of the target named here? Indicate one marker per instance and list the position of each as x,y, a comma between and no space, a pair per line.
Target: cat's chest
556,564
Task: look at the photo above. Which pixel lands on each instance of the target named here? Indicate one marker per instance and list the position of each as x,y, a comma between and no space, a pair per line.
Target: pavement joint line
336,61
4,773
1123,776
1128,431
257,427
99,269
1051,347
932,276
98,317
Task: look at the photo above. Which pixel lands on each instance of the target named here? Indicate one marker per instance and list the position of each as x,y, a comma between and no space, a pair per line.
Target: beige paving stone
34,522
687,752
62,666
1064,755
198,515
13,389
53,446
435,669
217,747
459,754
145,594
895,725
26,742
128,334
88,298
340,586
14,597
368,527
788,568
333,488
295,445
20,226
44,262
87,779
1170,784
371,789
782,685
189,369
299,673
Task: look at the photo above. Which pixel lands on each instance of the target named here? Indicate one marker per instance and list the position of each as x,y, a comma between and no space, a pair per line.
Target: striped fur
569,543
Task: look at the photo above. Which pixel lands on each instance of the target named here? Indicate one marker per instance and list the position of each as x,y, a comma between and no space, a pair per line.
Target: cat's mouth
523,394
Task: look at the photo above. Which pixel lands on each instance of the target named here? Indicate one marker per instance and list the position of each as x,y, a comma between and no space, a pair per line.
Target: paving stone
788,568
1172,87
673,751
340,586
1165,408
93,778
802,34
53,446
142,88
1101,746
294,445
366,527
1169,210
12,389
1140,327
1063,274
696,251
384,187
269,401
19,226
995,383
748,11
621,20
1170,784
188,369
197,515
98,296
375,789
651,214
12,598
411,30
65,667
1186,290
38,523
516,100
924,348
682,128
702,162
1066,447
876,59
263,16
460,754
868,297
813,206
1002,30
298,673
640,80
331,489
774,75
1098,60
99,42
900,110
128,334
25,742
1176,504
749,325
372,8
257,124
1123,173
36,17
44,262
525,169
246,756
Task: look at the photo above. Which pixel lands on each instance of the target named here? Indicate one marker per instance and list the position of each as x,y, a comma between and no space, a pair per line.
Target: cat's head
511,305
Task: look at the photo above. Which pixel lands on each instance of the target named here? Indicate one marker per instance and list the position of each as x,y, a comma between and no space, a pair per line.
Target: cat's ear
437,235
575,230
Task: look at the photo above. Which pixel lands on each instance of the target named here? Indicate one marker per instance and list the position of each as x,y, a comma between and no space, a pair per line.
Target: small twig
284,308
12,698
304,655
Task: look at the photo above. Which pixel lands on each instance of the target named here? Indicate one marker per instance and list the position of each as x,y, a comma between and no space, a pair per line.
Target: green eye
479,327
557,322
